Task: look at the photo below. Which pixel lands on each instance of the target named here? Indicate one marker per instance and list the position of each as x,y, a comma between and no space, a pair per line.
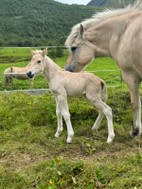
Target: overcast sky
80,2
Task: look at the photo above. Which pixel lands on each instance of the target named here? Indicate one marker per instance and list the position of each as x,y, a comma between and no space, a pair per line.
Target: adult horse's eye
73,48
38,61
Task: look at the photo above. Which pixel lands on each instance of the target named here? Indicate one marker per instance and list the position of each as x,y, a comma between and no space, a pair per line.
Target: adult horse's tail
104,91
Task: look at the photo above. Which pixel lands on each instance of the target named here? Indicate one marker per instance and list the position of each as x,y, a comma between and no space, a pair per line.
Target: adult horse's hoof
135,133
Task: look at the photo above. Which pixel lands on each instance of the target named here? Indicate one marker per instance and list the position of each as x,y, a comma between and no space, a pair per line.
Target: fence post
11,77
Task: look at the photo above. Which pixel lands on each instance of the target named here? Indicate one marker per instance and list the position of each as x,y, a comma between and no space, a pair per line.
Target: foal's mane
101,16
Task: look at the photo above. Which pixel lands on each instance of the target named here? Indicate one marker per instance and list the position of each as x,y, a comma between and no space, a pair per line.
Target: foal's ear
81,30
44,52
33,52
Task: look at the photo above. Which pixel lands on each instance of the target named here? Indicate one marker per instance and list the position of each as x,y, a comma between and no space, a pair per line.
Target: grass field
31,157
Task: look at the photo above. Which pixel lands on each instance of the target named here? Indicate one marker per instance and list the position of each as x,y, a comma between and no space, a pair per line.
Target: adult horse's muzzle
69,68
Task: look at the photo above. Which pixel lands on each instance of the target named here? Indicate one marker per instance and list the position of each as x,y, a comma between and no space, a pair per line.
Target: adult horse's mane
101,16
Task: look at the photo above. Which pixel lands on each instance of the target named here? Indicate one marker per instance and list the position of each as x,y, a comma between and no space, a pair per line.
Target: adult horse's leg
133,84
59,120
62,102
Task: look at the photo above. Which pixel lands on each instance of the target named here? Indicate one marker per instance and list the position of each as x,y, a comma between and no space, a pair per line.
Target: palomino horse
18,73
117,34
63,84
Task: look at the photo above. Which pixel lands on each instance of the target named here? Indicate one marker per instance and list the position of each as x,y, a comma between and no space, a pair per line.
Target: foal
64,83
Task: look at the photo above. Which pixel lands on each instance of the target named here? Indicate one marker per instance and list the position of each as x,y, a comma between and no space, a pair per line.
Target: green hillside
38,22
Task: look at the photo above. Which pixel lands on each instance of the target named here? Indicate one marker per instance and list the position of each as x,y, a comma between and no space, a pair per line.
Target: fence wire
38,91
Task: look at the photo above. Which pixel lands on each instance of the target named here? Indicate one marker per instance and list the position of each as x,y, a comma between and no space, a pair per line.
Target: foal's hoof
110,139
94,128
57,135
69,140
135,133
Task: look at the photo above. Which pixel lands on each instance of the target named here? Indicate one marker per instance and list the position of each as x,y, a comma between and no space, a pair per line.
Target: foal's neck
51,68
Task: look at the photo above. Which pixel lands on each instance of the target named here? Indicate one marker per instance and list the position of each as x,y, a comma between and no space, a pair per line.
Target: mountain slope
96,3
108,3
38,22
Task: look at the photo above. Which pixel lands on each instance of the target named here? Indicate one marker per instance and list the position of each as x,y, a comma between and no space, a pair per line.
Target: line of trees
36,23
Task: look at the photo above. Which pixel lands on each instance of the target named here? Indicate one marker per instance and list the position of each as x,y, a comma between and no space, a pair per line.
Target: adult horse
18,73
117,34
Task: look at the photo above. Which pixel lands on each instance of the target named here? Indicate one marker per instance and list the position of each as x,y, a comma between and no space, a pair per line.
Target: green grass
112,78
14,55
31,157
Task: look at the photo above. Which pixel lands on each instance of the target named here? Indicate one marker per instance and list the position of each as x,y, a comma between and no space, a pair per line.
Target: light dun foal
64,84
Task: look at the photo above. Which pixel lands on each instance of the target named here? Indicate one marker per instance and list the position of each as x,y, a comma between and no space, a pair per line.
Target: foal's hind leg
59,120
108,113
106,110
98,121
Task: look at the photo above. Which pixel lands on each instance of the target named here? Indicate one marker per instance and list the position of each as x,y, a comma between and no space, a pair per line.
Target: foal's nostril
29,74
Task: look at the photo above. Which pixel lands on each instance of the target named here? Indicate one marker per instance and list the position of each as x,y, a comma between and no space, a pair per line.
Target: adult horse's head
36,65
81,51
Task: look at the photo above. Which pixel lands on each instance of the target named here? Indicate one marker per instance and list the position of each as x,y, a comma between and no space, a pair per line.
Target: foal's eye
38,61
73,48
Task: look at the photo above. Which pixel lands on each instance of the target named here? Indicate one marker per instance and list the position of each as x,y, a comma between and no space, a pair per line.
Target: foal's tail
104,91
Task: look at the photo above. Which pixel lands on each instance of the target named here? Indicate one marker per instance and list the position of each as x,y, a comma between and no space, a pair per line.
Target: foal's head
81,52
37,62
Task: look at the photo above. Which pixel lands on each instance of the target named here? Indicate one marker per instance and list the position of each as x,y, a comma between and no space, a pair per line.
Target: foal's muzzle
30,75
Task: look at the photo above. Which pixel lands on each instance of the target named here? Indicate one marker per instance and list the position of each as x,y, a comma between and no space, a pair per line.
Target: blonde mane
99,17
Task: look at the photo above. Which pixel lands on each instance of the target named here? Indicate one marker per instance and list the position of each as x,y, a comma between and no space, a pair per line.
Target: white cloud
80,2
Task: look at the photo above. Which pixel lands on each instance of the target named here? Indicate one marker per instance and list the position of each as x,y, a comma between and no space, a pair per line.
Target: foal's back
77,84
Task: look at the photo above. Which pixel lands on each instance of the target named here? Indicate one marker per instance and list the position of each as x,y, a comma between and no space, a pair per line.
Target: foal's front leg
59,120
31,82
63,105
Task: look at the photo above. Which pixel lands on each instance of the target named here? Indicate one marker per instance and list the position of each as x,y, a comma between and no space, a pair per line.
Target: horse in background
18,73
64,84
117,34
